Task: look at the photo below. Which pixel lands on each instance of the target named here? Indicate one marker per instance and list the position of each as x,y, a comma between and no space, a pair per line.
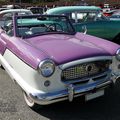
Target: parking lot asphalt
13,107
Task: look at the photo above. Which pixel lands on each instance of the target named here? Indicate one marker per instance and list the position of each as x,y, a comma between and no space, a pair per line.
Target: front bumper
69,93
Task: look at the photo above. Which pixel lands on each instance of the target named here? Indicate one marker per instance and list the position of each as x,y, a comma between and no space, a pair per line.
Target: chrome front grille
85,70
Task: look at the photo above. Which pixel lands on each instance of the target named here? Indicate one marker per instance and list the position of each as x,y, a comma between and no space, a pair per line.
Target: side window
70,16
89,16
100,17
73,16
81,17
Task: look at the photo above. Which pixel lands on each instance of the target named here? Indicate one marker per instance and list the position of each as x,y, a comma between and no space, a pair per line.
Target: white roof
14,10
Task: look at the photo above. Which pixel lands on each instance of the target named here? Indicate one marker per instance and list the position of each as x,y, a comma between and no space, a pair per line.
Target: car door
88,22
112,29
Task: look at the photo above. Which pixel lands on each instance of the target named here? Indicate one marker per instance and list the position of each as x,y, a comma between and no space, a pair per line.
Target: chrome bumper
69,93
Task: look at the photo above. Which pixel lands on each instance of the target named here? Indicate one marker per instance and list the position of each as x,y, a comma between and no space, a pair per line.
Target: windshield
35,25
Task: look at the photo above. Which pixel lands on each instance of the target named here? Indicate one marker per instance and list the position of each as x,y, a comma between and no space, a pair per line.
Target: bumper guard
69,93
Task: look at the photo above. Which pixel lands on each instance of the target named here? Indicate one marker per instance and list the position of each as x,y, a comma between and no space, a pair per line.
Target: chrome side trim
64,66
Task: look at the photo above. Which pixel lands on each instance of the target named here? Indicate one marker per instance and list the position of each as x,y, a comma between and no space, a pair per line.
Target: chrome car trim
105,75
66,65
49,98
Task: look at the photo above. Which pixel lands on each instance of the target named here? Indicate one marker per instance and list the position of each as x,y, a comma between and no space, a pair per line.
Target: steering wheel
54,27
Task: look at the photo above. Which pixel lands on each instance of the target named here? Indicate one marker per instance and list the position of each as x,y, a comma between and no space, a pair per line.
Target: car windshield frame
17,18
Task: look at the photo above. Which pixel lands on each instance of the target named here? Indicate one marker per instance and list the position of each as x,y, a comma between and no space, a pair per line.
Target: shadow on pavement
103,108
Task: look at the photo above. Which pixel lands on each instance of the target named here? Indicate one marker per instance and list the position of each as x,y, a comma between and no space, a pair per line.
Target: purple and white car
52,63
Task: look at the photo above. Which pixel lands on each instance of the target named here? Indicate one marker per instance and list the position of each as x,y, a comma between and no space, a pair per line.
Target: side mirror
84,29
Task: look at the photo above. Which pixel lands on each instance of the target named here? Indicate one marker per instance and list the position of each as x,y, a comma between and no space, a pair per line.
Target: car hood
65,48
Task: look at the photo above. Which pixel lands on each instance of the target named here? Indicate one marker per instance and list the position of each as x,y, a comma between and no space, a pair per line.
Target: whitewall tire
29,101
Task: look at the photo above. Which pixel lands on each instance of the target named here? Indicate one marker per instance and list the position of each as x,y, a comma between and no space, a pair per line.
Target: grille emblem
89,68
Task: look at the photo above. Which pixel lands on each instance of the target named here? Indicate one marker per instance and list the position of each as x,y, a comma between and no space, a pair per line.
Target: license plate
94,95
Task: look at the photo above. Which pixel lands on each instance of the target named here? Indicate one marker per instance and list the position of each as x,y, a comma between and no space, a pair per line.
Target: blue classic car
53,63
90,19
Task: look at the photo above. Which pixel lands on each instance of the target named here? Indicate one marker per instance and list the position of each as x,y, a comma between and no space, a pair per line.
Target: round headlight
47,68
118,54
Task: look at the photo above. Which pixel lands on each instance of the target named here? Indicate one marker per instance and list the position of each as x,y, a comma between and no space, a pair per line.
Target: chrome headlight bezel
47,68
118,54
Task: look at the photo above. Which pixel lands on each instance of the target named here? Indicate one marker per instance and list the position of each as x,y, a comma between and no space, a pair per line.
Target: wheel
29,101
